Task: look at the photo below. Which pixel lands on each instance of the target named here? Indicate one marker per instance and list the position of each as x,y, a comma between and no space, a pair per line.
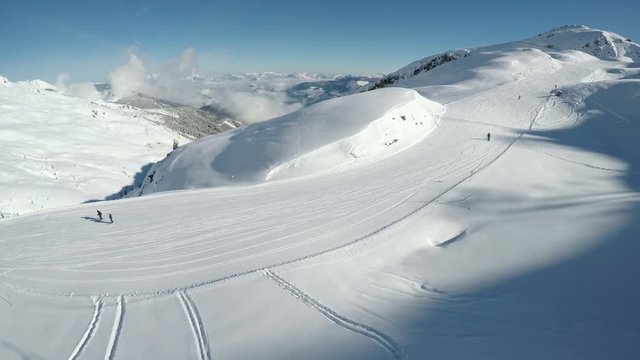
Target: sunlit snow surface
60,150
453,247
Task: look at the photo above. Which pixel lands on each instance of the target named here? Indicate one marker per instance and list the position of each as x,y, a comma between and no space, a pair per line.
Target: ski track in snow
480,166
362,329
6,300
197,326
115,331
367,214
97,303
577,162
609,111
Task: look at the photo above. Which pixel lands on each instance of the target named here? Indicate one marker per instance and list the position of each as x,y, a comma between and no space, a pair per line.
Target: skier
100,215
488,139
518,97
110,218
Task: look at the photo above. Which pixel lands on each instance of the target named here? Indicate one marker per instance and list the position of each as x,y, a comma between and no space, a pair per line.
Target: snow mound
36,85
602,44
332,135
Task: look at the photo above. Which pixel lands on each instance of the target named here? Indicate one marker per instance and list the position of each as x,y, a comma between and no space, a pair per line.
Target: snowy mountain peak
600,44
36,85
570,27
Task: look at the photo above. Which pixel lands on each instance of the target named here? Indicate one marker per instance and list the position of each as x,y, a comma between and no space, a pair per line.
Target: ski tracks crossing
196,323
188,306
373,334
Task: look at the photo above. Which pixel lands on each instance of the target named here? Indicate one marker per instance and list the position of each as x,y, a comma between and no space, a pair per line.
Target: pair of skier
100,216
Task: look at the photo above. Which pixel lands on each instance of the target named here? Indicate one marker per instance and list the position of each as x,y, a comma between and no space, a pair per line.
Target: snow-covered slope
479,65
336,134
189,121
602,44
59,150
521,247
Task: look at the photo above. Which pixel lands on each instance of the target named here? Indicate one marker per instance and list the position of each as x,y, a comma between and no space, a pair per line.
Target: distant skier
518,97
100,215
488,136
110,218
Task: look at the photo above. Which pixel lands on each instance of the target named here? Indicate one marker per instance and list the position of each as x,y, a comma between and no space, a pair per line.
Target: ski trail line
362,329
5,300
578,162
6,272
97,311
352,242
115,331
609,111
197,327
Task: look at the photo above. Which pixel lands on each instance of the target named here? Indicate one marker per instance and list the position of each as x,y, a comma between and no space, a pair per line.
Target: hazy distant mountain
314,91
187,120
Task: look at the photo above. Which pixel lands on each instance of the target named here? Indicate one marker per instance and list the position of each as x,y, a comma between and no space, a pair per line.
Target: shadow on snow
138,180
586,306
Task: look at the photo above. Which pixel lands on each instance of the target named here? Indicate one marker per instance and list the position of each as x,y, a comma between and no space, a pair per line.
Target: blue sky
87,38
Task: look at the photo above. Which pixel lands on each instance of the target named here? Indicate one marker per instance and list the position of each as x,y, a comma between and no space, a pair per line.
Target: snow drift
333,135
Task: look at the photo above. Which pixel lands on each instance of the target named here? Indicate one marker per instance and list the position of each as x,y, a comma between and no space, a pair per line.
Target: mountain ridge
599,43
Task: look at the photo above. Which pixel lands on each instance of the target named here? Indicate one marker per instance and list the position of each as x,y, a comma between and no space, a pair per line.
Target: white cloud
187,62
61,81
81,90
172,82
248,100
130,78
84,91
251,107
